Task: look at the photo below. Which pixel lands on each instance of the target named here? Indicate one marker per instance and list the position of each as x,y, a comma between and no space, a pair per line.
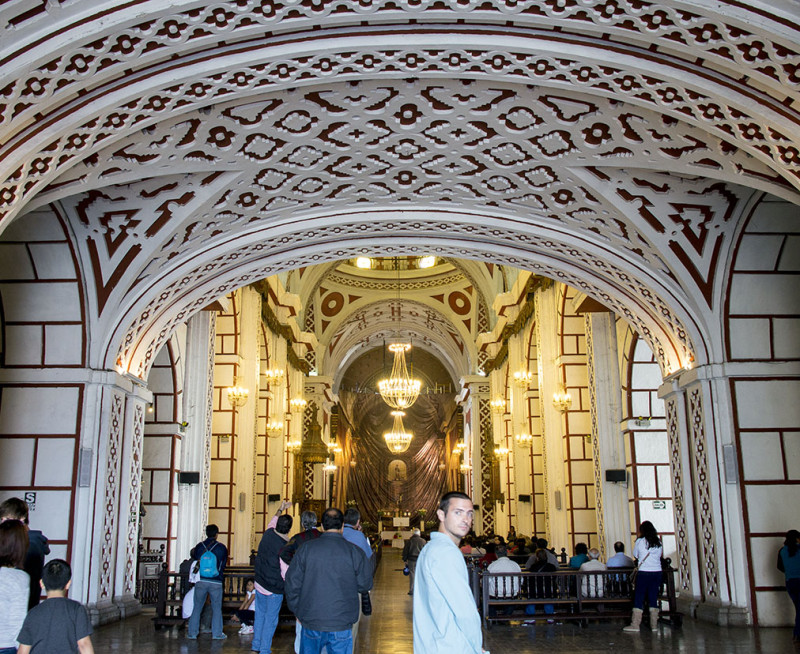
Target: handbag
366,604
635,573
194,572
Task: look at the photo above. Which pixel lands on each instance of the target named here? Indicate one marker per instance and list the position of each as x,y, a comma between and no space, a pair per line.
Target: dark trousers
793,588
647,585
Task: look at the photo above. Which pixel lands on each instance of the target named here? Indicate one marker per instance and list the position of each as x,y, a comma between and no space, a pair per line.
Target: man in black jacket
269,581
323,587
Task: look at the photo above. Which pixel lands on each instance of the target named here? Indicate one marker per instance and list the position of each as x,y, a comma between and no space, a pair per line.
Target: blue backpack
208,563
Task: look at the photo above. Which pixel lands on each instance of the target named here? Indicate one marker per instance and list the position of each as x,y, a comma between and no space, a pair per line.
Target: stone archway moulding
661,319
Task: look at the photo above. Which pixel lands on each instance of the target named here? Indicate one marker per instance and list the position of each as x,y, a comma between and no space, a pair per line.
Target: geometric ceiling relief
403,320
690,222
470,144
657,313
122,231
681,92
710,66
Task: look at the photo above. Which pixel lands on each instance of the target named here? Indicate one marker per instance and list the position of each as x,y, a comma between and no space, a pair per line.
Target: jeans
8,650
337,642
647,586
793,588
212,589
268,607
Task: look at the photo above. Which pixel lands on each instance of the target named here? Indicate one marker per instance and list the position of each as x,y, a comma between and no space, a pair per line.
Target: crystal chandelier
398,439
237,394
399,391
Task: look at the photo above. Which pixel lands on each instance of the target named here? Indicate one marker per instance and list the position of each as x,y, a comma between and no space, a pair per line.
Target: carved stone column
608,446
195,453
474,398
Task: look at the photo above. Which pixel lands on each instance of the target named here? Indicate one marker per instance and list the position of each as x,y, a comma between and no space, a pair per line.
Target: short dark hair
284,524
332,519
13,543
56,574
581,548
14,509
541,543
352,516
619,546
444,504
212,531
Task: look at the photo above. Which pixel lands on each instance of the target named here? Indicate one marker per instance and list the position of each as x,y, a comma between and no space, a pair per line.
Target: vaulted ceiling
615,145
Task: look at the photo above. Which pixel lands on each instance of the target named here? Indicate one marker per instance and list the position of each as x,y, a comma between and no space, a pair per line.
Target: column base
103,612
128,606
724,615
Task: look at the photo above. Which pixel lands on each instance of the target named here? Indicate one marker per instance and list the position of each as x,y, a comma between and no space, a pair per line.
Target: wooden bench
172,587
574,595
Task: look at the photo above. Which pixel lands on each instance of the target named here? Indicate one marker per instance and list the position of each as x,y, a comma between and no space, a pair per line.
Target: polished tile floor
388,631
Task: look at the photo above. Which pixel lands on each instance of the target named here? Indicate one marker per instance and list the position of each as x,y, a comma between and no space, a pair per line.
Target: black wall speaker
524,498
188,477
274,497
617,475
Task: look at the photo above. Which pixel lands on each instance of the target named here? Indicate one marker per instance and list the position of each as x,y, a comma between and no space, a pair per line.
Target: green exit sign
659,504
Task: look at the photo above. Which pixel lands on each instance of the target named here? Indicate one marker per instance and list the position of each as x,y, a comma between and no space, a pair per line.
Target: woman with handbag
646,577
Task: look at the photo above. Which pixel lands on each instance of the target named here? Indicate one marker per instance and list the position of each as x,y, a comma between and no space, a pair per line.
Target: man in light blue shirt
446,619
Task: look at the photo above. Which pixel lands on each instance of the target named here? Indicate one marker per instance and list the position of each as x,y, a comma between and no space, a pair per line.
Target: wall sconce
329,467
352,463
298,403
523,378
562,400
237,394
498,405
273,375
442,465
460,447
524,440
294,445
464,468
501,452
334,448
275,428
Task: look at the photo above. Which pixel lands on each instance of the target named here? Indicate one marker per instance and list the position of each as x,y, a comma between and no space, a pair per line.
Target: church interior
575,223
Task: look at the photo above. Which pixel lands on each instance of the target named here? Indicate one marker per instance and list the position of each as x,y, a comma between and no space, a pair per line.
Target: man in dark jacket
209,586
269,581
323,587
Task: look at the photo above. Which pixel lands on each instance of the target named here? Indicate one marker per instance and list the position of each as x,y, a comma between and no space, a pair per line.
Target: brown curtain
370,483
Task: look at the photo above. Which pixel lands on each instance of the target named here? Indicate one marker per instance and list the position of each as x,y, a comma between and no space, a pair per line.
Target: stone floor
388,631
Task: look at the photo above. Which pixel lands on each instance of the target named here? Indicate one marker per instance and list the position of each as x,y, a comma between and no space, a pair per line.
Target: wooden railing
573,595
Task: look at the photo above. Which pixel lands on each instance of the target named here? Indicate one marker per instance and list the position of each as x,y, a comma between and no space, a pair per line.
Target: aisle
388,629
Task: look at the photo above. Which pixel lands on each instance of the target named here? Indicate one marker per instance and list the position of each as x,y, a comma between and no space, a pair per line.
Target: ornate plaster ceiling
613,145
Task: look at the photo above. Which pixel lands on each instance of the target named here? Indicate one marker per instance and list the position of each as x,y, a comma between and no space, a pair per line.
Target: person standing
789,565
411,549
445,616
647,551
14,583
210,583
353,534
16,509
323,584
269,580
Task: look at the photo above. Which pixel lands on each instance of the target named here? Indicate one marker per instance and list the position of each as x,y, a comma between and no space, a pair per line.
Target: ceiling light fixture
364,263
237,394
398,439
426,262
399,391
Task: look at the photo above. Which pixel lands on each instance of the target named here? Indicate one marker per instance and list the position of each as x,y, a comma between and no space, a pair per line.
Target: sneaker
220,637
249,629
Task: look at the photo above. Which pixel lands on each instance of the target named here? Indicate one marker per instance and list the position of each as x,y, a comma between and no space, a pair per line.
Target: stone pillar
246,418
195,454
608,446
553,454
707,519
318,390
117,404
474,398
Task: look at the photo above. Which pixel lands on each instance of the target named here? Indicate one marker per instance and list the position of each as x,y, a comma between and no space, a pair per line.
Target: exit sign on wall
659,504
